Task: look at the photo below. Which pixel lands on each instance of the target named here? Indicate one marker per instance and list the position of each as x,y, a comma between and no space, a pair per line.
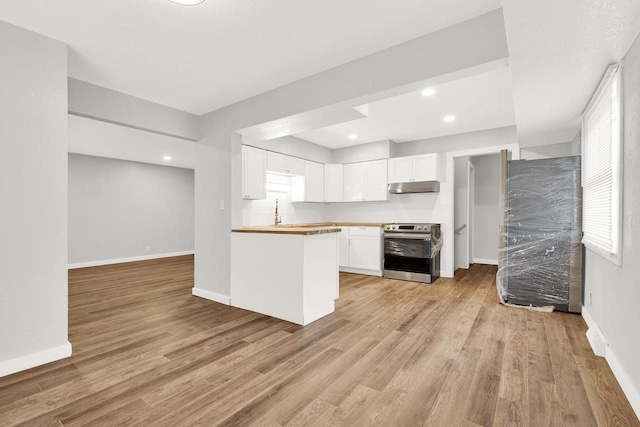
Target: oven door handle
407,236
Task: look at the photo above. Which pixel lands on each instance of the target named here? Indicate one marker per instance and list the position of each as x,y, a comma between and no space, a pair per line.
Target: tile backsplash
262,212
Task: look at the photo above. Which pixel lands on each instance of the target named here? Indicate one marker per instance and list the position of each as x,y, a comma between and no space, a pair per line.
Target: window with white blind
601,168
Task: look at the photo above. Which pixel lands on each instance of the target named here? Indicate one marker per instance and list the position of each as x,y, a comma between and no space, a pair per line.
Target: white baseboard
222,299
129,259
377,273
32,360
594,335
311,315
629,389
599,345
484,261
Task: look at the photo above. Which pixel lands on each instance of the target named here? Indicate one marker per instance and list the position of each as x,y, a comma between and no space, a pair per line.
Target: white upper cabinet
281,163
310,187
354,182
424,167
401,169
333,183
375,180
314,181
365,181
254,173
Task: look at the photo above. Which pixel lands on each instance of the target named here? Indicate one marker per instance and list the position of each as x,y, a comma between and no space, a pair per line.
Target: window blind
601,178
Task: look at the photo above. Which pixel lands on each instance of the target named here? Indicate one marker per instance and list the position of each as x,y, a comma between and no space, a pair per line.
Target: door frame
448,187
471,185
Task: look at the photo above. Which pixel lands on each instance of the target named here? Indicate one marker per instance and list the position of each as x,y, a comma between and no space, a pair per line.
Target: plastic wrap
540,255
436,245
414,248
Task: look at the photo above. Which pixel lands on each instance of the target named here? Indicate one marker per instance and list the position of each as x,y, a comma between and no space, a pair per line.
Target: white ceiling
483,101
200,58
559,51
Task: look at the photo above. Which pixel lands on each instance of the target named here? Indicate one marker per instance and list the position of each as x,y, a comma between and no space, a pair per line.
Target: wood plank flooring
148,353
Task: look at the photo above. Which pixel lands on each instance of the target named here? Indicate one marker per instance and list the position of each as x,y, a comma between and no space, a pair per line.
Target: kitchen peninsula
288,272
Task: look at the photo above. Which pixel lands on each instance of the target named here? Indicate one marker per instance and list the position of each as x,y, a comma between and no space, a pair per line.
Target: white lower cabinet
360,250
343,247
364,252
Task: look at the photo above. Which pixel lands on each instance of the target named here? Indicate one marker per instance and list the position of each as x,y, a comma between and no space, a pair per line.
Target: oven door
406,256
407,245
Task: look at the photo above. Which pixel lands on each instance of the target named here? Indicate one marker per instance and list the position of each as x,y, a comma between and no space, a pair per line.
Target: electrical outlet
221,204
590,298
148,248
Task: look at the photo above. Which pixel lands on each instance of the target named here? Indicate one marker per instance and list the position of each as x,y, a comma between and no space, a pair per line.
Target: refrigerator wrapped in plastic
540,255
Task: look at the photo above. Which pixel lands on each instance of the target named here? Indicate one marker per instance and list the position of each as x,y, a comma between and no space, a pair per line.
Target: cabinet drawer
364,231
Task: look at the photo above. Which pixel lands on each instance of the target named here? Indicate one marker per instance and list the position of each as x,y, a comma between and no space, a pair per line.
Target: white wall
33,194
117,209
615,290
364,152
103,139
486,196
96,102
293,146
548,151
460,142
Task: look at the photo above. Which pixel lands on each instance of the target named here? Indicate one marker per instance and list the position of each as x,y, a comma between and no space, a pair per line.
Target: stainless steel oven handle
407,236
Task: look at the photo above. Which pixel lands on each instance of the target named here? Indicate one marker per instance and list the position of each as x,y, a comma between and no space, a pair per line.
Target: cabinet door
400,169
275,162
281,163
333,183
425,167
254,173
343,247
375,180
294,166
353,182
314,181
364,252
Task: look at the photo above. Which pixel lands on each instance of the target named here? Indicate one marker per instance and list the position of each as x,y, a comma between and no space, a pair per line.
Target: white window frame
607,243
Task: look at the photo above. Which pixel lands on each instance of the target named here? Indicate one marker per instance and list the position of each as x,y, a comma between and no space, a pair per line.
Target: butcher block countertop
286,229
345,224
306,229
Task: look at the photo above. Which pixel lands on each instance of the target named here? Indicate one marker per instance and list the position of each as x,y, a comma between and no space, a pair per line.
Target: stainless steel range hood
414,187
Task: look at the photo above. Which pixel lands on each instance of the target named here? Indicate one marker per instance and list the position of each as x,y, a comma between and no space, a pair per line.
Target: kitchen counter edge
306,229
286,230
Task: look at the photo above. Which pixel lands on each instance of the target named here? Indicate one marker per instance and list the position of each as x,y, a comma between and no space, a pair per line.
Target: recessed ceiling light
187,2
429,92
353,136
167,158
449,118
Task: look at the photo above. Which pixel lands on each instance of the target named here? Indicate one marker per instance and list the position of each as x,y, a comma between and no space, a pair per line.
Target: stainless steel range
412,252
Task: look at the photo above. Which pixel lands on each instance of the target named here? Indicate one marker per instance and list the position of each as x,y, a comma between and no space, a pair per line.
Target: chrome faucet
278,218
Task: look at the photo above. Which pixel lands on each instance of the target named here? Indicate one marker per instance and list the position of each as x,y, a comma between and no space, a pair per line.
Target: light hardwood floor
148,353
